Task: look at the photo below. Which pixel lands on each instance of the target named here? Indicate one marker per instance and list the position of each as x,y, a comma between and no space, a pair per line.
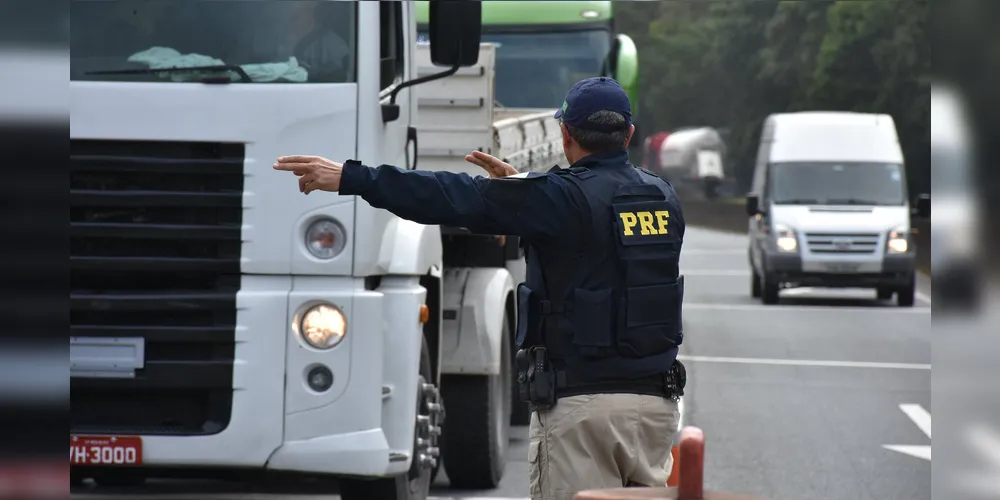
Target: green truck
544,47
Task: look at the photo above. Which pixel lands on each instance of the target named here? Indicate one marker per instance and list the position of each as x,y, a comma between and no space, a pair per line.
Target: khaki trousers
600,441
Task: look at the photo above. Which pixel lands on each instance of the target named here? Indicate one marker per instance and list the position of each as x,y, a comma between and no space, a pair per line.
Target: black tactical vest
611,310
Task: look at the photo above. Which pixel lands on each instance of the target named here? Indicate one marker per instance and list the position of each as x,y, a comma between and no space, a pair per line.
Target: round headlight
323,326
325,238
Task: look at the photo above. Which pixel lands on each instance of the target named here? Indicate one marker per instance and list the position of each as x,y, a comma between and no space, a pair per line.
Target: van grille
155,241
842,243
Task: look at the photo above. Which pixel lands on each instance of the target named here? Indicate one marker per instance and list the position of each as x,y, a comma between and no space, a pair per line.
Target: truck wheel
416,483
906,295
477,433
769,293
884,293
755,289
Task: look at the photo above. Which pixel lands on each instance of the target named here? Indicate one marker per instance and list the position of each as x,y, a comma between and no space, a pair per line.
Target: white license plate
841,267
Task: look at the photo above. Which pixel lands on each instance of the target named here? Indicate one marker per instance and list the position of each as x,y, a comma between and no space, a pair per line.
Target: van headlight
322,326
785,239
325,238
899,240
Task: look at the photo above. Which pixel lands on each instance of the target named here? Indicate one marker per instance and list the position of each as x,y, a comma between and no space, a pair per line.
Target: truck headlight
785,239
325,238
322,326
899,240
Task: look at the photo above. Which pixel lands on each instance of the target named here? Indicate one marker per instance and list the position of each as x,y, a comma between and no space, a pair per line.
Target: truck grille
155,246
833,243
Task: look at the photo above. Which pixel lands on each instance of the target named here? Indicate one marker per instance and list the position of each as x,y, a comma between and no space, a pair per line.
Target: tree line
729,63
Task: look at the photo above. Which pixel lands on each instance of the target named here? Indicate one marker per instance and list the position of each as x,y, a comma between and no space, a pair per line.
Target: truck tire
770,291
477,432
906,295
416,483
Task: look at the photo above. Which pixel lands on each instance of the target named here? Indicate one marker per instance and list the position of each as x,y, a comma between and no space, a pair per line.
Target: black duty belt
656,385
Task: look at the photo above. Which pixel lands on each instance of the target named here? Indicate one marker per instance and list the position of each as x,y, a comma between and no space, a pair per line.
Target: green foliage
730,63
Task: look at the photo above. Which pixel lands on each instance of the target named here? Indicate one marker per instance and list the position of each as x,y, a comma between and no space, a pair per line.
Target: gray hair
594,141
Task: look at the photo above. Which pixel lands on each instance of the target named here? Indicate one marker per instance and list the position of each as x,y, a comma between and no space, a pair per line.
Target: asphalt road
797,400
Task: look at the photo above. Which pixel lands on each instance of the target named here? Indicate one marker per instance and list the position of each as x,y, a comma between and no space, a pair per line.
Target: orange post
675,471
692,464
688,473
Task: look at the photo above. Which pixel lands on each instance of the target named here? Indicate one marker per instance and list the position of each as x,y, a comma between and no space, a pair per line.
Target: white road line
919,416
797,309
478,498
715,272
808,362
712,251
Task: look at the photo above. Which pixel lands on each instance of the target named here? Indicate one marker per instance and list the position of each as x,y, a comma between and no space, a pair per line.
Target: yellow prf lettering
661,219
646,223
628,221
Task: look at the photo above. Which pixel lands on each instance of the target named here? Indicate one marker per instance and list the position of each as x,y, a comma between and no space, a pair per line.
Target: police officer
600,311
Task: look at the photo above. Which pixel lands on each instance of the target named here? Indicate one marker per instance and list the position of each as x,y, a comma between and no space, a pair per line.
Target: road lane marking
922,419
808,362
797,308
478,498
712,251
715,272
919,416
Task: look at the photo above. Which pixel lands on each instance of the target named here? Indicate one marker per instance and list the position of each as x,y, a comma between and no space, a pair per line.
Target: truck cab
219,319
830,207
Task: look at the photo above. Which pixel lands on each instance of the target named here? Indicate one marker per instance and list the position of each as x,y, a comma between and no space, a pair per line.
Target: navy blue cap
591,95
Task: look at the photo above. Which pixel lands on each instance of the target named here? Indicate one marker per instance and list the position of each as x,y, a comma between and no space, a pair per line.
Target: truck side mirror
623,66
455,31
923,206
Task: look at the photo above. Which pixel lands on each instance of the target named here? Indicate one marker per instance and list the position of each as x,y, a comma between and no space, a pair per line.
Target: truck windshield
833,183
535,69
292,41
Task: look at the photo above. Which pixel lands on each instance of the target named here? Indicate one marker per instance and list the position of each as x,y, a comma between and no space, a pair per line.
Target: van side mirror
455,31
923,208
753,205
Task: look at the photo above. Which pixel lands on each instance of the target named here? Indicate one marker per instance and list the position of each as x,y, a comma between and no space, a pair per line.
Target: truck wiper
244,77
849,201
798,201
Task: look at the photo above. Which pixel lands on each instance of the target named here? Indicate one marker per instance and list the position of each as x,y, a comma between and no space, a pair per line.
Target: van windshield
837,183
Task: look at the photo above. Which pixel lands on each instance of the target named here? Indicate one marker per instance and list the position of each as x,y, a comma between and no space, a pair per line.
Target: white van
829,206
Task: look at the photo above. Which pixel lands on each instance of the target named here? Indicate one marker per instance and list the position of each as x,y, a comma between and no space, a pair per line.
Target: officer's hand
315,172
491,164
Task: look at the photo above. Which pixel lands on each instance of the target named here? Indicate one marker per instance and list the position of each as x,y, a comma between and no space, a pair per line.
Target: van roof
831,118
832,136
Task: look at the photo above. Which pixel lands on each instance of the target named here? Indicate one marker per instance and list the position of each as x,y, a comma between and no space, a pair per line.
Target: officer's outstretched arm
534,206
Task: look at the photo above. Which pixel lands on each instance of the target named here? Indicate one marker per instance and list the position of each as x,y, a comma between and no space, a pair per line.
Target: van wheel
884,293
477,433
416,483
906,295
755,289
770,291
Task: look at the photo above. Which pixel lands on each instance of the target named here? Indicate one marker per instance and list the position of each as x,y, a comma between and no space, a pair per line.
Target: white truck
694,157
222,321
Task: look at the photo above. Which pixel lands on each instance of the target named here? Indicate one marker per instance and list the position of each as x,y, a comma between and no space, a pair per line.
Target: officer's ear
567,139
631,133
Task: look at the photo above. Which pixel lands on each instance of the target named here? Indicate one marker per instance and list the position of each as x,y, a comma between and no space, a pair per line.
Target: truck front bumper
361,426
